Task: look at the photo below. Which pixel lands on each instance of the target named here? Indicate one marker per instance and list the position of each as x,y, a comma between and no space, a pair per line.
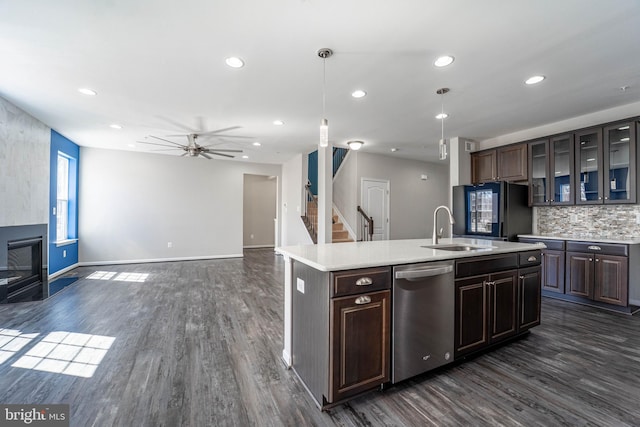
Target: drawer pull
364,281
594,248
363,300
532,258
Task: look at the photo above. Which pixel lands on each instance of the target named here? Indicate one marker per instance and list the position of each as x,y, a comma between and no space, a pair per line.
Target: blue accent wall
312,172
57,259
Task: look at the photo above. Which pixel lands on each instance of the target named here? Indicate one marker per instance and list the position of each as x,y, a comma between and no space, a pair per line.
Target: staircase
338,233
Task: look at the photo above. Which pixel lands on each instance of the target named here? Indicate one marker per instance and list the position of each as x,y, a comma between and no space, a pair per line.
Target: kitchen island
340,300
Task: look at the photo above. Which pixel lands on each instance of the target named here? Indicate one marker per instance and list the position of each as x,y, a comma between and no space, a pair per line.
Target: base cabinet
360,343
529,298
486,310
553,271
598,277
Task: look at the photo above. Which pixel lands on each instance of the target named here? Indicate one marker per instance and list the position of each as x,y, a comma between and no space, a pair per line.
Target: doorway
375,202
259,211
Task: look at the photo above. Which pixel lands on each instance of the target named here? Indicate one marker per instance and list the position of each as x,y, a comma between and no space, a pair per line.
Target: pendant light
324,123
442,145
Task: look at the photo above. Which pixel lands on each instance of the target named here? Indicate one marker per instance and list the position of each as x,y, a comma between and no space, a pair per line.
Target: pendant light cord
324,84
442,114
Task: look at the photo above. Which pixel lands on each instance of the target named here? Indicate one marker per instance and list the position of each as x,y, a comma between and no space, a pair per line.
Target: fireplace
22,269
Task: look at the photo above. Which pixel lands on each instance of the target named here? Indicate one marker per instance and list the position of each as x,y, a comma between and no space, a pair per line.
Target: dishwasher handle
419,273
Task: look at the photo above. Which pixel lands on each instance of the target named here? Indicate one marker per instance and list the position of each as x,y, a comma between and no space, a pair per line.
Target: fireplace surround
23,256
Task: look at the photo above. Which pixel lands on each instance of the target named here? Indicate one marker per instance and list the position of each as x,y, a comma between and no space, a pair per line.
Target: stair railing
310,215
366,225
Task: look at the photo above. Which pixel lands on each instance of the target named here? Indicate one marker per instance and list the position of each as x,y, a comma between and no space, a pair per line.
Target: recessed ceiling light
393,150
443,61
245,157
257,144
534,79
442,116
115,126
87,91
234,62
355,145
132,145
278,122
359,93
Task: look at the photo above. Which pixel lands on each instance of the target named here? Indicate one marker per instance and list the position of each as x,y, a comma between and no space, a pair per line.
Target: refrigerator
493,210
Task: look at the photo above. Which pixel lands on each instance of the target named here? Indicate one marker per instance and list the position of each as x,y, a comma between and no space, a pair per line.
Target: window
62,205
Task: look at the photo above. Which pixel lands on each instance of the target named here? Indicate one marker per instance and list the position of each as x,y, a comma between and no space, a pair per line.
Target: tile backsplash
610,220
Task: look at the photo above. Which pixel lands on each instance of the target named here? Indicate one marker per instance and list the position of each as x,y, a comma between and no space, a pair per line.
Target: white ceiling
159,65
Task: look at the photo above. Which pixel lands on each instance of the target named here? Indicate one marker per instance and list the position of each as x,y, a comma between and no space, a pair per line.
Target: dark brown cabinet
529,298
553,263
551,165
486,310
360,343
508,163
593,272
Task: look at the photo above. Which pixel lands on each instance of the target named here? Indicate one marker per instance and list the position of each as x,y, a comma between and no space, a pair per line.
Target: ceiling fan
192,148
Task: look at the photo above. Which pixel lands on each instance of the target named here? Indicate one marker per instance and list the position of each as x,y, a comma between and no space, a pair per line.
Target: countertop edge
595,239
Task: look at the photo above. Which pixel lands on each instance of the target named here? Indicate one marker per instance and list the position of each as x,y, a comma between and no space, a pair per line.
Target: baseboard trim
286,358
258,246
63,271
150,260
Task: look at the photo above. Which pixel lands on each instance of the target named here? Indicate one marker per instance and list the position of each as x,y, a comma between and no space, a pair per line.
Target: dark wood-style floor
199,343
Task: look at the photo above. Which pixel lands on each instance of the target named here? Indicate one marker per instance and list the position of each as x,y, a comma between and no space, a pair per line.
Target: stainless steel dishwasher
423,318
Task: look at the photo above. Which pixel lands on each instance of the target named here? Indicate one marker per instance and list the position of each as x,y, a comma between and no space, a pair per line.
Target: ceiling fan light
443,61
234,62
442,116
355,145
115,126
256,144
278,122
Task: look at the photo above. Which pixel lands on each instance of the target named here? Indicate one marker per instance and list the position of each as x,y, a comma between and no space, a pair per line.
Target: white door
375,202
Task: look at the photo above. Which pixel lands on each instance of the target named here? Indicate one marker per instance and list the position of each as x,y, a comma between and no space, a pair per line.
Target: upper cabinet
551,165
507,163
606,165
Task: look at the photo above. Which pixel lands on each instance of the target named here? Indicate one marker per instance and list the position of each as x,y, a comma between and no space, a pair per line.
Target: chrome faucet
435,217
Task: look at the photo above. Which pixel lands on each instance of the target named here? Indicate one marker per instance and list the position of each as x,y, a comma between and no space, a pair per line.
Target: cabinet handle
521,277
606,198
532,258
363,299
597,260
594,248
599,198
590,259
364,281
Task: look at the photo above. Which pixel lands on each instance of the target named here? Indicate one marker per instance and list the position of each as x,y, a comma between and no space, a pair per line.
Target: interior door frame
387,197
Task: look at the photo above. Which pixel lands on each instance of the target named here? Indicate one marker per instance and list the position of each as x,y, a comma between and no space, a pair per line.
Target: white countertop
586,237
346,256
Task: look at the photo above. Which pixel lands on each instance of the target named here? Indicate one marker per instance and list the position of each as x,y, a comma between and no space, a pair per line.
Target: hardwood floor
199,343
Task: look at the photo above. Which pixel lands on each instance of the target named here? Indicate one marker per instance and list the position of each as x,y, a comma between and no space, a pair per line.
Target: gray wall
259,210
133,204
412,200
24,167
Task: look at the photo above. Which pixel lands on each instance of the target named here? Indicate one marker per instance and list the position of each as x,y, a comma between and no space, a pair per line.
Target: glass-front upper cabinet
538,173
588,154
561,168
620,163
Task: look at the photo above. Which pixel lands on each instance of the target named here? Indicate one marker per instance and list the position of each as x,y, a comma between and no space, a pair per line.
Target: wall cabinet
499,303
551,163
508,163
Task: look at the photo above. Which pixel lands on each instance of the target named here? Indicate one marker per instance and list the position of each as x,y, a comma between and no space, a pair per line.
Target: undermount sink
457,247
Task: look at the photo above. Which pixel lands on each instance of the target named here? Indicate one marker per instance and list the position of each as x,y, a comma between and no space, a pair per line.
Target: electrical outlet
169,244
573,218
251,236
300,285
64,253
638,218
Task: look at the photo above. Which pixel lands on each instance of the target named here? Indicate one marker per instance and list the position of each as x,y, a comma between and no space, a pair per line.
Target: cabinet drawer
351,282
600,248
529,258
486,264
556,245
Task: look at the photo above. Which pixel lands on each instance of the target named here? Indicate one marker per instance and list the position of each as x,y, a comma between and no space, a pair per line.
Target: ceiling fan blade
213,132
155,143
208,150
184,154
205,155
164,149
228,136
177,124
166,140
220,154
